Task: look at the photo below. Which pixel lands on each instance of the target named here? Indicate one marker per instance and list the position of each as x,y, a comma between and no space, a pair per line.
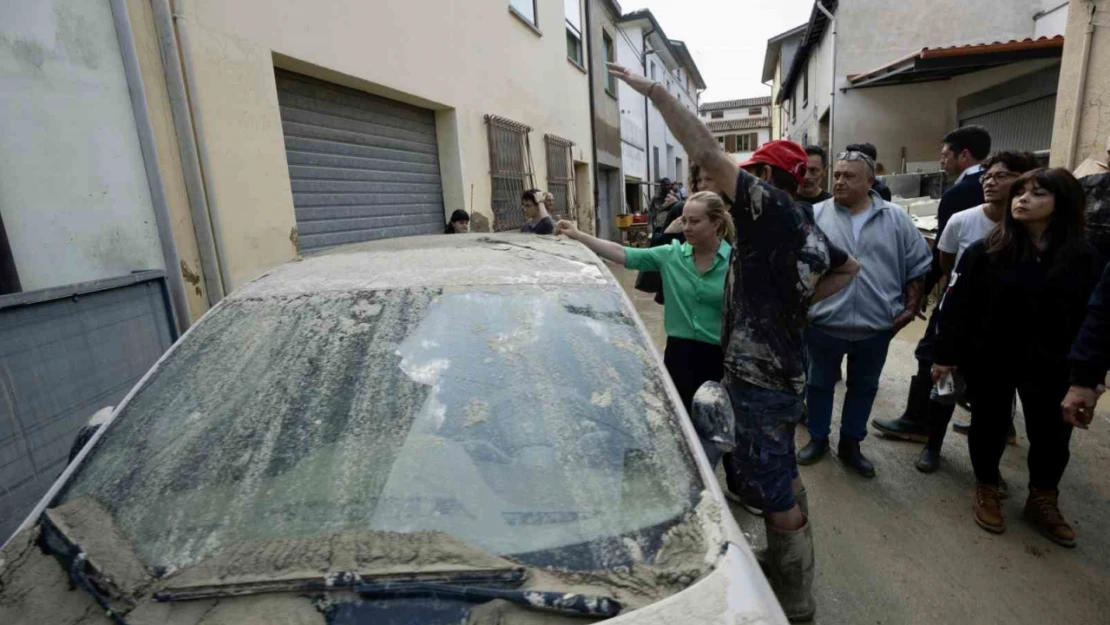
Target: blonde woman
693,285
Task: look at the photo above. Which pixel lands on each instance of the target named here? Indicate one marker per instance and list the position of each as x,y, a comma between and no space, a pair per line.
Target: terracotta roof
735,104
724,125
944,62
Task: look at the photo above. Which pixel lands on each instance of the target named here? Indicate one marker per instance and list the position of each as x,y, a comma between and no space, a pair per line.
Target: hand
567,229
940,371
639,83
676,226
1079,405
670,200
904,319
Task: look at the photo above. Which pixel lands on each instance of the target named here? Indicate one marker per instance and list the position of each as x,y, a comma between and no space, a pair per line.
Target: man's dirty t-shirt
779,256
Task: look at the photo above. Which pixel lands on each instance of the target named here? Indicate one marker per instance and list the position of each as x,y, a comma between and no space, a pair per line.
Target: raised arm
608,250
699,143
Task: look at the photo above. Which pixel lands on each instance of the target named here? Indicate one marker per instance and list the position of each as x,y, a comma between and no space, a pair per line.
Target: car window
518,419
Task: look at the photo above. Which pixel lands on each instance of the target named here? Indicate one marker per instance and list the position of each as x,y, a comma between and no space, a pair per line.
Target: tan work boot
1043,509
788,564
988,509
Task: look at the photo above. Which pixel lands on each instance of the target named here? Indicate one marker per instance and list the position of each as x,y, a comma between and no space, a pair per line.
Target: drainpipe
647,116
1080,88
593,115
190,142
832,84
179,308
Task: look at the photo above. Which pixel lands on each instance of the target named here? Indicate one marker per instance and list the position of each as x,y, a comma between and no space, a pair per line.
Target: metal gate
361,167
65,353
1026,127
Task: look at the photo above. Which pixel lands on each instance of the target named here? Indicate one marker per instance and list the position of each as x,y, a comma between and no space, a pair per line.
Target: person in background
861,320
535,211
873,153
781,263
963,229
1089,358
459,223
549,202
1010,316
961,154
694,286
681,189
817,166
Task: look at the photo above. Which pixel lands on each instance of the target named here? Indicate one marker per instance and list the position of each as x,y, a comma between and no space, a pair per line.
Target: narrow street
902,548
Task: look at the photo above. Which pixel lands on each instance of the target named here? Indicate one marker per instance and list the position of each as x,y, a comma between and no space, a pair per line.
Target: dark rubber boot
814,450
788,564
851,456
913,425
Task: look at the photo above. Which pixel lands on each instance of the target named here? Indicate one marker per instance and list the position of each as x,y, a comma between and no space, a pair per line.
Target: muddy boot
1043,510
913,425
789,568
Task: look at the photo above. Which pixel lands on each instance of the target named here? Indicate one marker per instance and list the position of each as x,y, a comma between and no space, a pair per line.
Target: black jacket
880,187
967,194
1016,316
1090,354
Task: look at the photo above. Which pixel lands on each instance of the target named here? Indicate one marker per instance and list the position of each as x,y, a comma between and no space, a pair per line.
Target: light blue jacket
890,251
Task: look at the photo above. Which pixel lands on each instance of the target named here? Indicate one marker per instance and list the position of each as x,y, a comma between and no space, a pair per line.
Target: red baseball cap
786,155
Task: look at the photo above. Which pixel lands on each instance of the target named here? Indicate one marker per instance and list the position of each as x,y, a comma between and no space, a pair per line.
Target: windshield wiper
82,573
457,586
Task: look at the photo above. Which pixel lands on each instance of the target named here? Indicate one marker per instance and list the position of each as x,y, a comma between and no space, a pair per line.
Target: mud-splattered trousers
764,454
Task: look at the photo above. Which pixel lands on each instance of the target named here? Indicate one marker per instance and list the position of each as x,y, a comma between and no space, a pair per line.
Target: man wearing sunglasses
860,321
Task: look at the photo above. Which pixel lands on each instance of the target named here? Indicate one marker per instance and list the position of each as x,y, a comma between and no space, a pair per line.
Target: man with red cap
781,263
780,163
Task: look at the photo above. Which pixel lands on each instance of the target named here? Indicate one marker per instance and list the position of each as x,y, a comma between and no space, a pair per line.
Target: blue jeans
764,454
866,358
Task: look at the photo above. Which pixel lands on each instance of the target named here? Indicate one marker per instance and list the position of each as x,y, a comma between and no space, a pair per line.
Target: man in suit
961,155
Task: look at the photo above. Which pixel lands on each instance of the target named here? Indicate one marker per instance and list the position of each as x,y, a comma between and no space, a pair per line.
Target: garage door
1026,127
361,167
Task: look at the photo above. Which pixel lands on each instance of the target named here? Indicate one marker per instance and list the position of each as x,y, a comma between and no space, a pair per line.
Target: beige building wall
463,60
169,159
1094,105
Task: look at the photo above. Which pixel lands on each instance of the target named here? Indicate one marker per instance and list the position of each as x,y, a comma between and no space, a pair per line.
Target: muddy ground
902,548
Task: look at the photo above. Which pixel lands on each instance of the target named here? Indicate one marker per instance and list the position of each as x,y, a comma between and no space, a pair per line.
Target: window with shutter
510,164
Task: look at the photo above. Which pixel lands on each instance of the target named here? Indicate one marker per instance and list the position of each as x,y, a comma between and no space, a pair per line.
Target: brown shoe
1043,510
988,509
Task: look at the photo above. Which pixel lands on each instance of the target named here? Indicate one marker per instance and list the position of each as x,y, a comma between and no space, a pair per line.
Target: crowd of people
769,281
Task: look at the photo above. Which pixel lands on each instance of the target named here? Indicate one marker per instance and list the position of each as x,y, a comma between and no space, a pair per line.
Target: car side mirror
712,416
99,418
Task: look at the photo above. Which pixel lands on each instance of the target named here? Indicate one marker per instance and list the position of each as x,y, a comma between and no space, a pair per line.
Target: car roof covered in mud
432,261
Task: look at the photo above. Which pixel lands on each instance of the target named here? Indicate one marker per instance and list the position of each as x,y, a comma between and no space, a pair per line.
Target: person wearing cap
780,264
860,321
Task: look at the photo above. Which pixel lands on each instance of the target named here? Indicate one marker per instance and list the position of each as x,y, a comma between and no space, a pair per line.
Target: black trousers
691,364
1041,392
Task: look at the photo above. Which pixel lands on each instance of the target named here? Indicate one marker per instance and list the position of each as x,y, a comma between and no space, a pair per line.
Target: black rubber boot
929,460
851,456
913,425
814,450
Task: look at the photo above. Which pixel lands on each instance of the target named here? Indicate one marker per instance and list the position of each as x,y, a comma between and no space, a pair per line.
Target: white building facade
994,63
649,152
740,126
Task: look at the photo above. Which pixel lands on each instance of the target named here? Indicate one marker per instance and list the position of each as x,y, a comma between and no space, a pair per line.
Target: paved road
903,548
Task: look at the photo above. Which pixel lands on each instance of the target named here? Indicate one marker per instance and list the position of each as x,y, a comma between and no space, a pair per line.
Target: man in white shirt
965,228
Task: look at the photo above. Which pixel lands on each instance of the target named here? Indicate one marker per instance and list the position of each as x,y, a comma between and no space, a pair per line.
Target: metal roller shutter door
361,167
1026,127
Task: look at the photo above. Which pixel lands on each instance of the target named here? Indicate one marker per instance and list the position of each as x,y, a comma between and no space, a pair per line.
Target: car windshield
516,419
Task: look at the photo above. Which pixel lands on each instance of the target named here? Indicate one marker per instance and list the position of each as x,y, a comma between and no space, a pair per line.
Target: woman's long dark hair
458,215
1010,243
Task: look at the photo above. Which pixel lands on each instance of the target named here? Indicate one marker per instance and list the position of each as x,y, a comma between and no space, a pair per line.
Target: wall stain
30,52
295,239
191,277
479,222
73,33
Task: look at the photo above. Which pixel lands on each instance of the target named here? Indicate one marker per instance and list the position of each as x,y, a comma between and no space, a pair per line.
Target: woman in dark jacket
1015,304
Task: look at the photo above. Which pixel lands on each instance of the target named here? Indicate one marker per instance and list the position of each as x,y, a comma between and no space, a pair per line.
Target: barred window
510,163
560,175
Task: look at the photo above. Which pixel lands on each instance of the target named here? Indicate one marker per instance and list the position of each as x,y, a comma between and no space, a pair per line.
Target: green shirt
692,300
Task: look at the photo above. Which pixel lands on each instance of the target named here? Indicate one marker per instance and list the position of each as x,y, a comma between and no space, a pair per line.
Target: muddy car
466,429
